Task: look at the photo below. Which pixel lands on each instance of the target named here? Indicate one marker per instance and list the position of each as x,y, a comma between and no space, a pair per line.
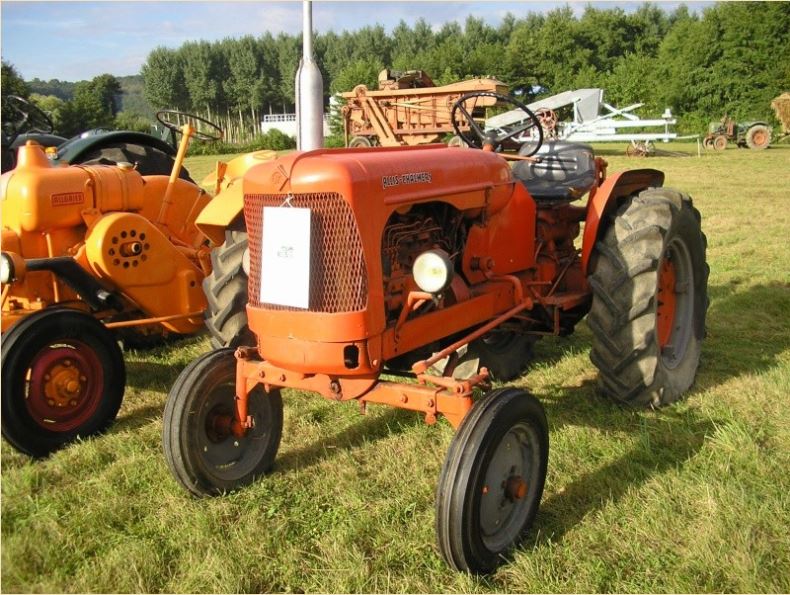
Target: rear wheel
63,376
203,455
226,293
492,480
758,137
506,354
649,280
360,141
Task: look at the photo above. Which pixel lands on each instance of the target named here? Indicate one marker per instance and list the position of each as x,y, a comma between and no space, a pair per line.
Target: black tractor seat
566,171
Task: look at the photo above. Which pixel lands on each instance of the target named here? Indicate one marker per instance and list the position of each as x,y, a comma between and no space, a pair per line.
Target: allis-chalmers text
419,177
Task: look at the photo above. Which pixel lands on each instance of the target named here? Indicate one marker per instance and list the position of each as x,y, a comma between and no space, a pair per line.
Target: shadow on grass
744,331
391,422
665,440
152,376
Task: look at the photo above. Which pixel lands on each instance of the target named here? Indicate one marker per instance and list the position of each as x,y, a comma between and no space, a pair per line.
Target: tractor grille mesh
338,278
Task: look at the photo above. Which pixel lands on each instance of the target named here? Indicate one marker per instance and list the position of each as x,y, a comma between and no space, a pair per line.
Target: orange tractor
366,261
91,254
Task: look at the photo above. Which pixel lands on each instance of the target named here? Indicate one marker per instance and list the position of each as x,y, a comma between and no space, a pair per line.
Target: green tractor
755,135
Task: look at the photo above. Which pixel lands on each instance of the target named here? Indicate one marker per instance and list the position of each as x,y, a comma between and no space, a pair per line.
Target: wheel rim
64,385
225,456
508,490
759,138
674,303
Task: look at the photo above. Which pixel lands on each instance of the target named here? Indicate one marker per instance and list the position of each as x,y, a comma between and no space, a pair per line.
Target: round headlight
433,271
6,268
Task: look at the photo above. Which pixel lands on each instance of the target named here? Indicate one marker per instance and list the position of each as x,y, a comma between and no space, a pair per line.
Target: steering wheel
26,113
481,137
198,124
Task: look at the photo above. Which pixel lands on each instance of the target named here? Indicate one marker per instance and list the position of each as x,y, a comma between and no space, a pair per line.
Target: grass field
693,497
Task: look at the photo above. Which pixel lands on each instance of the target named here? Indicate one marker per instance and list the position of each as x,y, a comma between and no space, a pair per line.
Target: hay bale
781,106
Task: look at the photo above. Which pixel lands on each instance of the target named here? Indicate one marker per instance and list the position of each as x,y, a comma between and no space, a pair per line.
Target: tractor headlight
245,261
433,271
12,267
6,268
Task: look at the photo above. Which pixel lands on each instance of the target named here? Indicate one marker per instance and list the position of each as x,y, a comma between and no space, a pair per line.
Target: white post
309,91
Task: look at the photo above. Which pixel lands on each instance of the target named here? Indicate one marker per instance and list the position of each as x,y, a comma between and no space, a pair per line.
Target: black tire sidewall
181,429
458,493
685,228
22,343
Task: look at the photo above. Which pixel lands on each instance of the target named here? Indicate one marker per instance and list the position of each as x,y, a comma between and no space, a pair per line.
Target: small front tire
492,480
203,455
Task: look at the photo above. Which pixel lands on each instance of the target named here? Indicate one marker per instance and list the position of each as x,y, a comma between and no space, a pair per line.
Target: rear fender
220,212
610,193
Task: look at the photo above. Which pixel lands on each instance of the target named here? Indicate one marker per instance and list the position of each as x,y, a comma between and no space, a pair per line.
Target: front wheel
203,454
650,282
492,480
63,376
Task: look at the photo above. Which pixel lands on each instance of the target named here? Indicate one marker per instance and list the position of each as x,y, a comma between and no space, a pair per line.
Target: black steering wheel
481,137
200,125
20,114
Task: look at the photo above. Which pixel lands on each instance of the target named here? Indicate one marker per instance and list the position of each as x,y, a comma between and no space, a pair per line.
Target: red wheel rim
65,383
666,302
759,138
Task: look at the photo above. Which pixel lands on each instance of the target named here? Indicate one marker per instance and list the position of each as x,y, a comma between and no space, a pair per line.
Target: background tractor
365,260
91,254
25,121
755,135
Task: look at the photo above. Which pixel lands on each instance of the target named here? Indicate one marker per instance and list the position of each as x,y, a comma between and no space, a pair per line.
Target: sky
74,41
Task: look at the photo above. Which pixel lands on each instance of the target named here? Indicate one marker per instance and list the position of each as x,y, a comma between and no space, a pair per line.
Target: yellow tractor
96,253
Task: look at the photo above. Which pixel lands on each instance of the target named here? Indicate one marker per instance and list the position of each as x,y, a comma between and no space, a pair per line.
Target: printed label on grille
285,257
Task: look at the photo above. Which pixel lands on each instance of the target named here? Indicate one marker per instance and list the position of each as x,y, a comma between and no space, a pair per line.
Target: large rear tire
226,293
650,281
758,137
203,454
63,377
147,160
492,480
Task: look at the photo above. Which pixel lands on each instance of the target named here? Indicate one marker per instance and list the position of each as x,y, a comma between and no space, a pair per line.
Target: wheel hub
64,386
666,306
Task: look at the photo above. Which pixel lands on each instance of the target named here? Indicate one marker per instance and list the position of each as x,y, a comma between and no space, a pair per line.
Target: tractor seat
566,171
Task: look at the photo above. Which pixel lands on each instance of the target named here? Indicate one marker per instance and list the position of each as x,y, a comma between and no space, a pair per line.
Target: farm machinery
755,135
364,262
408,109
92,253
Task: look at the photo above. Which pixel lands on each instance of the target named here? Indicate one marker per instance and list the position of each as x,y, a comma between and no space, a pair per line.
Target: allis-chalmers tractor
371,261
90,254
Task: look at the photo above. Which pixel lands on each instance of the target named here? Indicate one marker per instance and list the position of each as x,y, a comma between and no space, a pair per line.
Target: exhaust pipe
309,90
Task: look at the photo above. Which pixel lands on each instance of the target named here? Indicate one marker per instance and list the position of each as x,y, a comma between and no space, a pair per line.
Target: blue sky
79,40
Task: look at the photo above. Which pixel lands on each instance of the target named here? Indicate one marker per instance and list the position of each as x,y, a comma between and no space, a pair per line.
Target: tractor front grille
338,277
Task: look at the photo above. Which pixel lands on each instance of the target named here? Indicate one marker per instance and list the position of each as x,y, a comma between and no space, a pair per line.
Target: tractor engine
108,220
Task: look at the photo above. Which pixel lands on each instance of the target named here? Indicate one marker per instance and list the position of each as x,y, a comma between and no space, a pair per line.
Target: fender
615,187
75,151
221,211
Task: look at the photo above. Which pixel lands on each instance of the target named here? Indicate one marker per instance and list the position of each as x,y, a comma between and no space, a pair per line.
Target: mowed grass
693,497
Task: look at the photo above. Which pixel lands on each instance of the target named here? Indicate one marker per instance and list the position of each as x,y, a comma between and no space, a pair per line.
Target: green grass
694,497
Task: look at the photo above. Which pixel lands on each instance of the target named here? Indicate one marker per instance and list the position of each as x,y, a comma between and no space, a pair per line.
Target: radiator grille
338,278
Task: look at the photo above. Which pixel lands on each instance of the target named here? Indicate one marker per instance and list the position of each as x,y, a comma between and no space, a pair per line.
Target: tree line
730,59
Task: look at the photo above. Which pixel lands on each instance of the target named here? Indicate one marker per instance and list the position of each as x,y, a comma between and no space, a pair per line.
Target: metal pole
309,90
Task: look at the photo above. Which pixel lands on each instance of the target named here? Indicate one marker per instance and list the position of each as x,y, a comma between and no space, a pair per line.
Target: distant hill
132,101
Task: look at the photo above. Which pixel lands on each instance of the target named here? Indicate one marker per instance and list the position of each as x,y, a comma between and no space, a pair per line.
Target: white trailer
593,120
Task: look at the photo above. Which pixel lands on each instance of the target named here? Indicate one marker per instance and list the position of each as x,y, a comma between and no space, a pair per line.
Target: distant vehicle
755,135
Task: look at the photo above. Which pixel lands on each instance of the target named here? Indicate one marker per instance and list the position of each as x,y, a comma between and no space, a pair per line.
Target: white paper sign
285,257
